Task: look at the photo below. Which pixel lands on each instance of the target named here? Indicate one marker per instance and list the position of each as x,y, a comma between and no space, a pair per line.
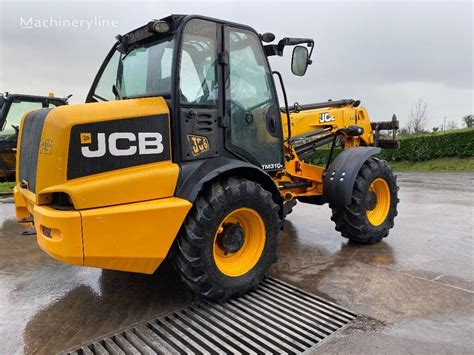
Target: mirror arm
285,98
310,53
271,50
289,41
277,49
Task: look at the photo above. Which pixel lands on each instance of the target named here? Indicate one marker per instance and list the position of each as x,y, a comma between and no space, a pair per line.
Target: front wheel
373,207
228,241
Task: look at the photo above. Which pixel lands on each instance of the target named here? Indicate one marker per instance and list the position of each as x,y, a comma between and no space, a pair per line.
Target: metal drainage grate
275,318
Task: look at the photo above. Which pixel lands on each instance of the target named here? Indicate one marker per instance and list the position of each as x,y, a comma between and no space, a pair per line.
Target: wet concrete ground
413,290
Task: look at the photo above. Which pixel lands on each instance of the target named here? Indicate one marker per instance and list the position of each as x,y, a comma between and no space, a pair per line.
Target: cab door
254,132
198,91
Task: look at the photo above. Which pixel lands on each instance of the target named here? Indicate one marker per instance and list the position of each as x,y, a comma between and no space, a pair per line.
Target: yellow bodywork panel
114,187
131,237
65,241
332,119
21,209
138,183
134,237
60,120
304,122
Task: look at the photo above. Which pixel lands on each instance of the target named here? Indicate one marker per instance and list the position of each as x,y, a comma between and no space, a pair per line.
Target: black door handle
272,124
248,118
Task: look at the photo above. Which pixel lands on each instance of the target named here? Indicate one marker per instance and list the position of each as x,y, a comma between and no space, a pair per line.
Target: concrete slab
414,290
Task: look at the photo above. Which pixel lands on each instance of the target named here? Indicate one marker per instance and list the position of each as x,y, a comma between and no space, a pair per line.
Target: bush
421,148
452,144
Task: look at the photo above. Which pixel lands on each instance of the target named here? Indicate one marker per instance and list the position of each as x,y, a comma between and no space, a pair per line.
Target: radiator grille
29,148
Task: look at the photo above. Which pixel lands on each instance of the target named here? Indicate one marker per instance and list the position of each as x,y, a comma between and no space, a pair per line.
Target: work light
159,26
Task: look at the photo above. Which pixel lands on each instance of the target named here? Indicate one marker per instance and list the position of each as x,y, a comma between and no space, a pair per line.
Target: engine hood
71,149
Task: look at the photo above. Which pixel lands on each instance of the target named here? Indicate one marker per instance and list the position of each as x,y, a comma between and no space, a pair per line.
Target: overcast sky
387,54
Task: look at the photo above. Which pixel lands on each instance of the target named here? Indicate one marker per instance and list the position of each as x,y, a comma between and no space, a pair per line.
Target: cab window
197,74
140,72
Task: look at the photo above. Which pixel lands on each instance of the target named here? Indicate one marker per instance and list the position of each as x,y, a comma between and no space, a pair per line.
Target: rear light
47,232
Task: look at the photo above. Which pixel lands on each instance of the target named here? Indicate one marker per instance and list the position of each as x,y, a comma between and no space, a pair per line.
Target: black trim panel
29,148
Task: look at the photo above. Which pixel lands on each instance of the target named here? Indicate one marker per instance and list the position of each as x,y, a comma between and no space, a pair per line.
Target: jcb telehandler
182,150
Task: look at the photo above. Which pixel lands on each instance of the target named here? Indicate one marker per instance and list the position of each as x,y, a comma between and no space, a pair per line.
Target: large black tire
194,255
352,221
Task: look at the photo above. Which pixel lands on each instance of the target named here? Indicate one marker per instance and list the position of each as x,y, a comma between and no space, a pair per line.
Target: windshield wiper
99,97
129,50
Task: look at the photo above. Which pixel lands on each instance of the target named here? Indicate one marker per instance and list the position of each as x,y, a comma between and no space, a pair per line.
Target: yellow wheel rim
379,213
243,260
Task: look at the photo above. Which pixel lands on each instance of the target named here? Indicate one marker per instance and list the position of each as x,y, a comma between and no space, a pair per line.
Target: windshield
15,113
142,71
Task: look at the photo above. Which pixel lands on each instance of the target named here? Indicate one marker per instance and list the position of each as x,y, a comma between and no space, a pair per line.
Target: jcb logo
122,144
325,117
199,144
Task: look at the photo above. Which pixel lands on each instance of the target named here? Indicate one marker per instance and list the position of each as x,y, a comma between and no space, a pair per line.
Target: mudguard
340,177
195,174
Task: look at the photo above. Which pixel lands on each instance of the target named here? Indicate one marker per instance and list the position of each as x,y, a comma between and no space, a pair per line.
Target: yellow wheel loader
12,109
182,150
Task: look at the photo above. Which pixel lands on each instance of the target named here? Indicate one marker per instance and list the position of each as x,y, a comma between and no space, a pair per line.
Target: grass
6,187
435,165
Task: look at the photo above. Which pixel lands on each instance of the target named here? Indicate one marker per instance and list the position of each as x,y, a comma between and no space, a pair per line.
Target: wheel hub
239,242
371,201
232,238
378,201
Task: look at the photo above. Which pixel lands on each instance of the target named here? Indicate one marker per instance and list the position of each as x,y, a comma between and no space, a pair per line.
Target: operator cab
216,79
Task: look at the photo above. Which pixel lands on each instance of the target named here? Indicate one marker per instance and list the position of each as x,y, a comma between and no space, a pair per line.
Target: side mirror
299,60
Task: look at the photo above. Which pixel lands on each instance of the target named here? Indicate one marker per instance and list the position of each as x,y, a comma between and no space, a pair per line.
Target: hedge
451,144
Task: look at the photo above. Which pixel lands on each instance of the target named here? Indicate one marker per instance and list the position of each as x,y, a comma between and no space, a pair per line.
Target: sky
386,54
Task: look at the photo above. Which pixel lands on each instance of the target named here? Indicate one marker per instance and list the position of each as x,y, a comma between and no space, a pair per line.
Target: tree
468,120
451,125
435,129
403,132
418,116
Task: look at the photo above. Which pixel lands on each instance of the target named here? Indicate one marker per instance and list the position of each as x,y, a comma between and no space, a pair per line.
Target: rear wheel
228,241
373,207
